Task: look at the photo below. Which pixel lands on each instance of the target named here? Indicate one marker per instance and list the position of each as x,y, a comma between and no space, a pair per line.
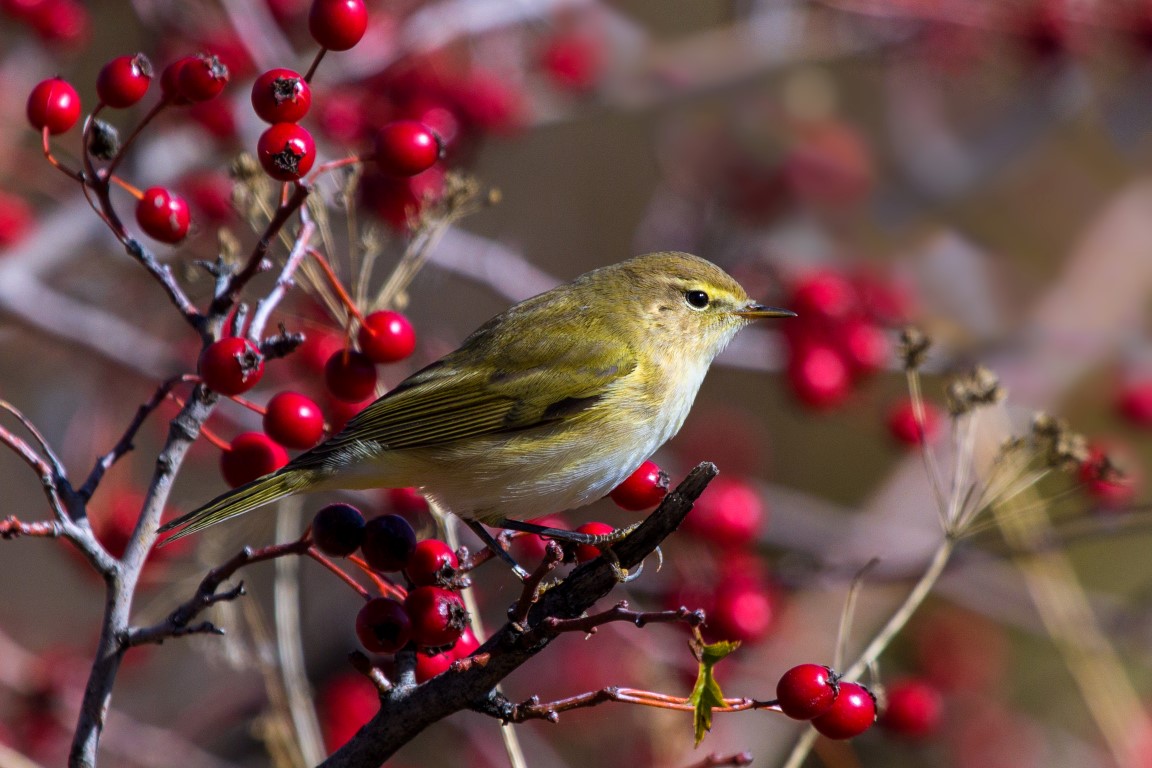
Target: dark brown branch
227,297
206,593
124,444
408,710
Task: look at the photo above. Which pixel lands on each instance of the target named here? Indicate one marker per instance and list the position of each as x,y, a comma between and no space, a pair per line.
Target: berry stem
254,407
315,63
332,165
131,138
134,191
345,299
324,561
387,589
46,142
880,641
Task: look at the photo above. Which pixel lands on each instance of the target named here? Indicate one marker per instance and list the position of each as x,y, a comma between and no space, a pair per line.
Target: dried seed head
977,388
914,344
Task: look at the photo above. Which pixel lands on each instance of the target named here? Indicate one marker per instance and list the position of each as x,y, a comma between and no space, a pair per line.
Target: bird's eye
696,299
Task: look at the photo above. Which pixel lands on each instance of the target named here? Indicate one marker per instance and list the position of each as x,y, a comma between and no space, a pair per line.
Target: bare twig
619,612
124,444
717,760
532,709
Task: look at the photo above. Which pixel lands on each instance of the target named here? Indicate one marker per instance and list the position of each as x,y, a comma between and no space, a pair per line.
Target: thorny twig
619,612
532,709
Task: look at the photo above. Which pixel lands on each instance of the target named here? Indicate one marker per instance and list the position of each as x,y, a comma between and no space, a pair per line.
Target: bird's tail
261,491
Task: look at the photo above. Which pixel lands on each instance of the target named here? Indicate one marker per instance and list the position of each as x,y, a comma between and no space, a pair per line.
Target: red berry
231,366
163,215
210,195
286,151
294,420
347,702
406,148
61,21
386,337
123,81
904,427
529,547
281,96
572,61
466,645
383,626
730,512
389,542
218,118
432,563
914,708
251,455
319,345
338,529
824,295
643,489
408,502
429,666
16,219
1109,476
865,346
341,412
586,552
170,81
850,715
818,376
53,104
350,375
742,610
1135,402
202,78
398,200
337,24
438,616
806,690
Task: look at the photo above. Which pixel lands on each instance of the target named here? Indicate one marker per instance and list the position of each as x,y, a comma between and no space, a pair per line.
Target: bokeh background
978,168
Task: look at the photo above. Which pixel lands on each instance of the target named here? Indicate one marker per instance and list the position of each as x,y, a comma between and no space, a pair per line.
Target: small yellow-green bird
547,406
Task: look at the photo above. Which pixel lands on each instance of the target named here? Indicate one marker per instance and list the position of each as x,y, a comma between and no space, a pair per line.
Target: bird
547,406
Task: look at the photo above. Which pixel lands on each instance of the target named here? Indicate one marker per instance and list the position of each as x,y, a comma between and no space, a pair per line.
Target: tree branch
409,709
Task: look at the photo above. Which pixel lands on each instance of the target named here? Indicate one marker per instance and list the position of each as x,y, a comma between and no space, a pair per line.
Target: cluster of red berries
384,337
59,22
837,709
54,108
838,338
739,598
432,614
291,420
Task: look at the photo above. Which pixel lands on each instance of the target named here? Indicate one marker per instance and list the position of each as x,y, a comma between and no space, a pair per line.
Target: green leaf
707,694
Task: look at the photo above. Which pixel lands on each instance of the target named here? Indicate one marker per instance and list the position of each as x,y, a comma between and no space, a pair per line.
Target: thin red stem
386,588
315,63
312,553
336,284
74,175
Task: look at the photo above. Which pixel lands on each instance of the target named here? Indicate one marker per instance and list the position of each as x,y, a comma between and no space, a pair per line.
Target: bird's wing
449,401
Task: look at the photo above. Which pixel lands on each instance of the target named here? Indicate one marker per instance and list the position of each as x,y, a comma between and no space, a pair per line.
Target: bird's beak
759,311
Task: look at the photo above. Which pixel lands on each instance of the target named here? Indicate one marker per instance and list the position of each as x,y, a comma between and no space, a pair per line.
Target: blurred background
979,169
